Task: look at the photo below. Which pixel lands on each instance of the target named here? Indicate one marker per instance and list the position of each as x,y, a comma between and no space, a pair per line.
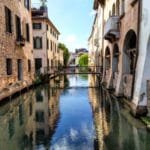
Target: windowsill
122,15
8,76
9,33
28,41
37,48
38,29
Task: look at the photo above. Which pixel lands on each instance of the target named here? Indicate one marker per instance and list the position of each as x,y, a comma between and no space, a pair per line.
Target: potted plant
43,5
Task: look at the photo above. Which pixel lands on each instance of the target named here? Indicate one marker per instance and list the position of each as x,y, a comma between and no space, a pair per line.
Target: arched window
118,7
107,59
109,13
113,10
122,7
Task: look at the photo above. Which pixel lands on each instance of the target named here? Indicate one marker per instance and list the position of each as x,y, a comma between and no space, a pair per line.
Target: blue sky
73,18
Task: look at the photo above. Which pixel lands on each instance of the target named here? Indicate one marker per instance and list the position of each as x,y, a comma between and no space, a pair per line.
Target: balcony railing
20,41
111,28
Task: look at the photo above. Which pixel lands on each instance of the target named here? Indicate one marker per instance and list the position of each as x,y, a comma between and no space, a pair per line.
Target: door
19,69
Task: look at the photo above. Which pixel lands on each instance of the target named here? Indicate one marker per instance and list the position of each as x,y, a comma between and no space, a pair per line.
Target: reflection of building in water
92,80
57,82
53,109
98,117
16,123
115,127
41,114
46,113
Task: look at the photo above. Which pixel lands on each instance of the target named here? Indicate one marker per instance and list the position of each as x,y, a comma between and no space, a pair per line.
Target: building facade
122,57
16,58
45,41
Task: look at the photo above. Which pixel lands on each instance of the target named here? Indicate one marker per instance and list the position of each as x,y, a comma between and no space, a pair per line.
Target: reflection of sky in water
75,129
78,81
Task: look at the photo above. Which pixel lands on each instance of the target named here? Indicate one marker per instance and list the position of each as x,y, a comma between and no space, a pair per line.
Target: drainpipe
103,74
137,45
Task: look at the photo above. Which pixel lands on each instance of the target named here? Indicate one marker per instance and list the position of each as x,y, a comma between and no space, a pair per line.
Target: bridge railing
69,70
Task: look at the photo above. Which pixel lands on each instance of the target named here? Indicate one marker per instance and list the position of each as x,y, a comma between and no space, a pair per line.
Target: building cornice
97,2
47,20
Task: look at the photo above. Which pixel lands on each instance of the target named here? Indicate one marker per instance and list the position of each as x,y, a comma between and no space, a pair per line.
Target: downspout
103,74
137,45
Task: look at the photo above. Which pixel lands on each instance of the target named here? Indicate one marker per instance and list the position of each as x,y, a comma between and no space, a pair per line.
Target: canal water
76,117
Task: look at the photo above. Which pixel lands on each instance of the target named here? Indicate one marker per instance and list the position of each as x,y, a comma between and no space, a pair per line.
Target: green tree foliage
66,53
83,60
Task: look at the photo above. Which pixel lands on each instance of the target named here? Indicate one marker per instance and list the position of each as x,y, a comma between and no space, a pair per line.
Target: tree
66,53
83,60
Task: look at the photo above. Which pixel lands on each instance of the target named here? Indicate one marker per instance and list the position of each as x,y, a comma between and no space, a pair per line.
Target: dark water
77,118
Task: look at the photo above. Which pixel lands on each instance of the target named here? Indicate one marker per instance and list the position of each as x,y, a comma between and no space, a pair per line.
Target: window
18,28
9,66
51,31
11,127
113,10
37,41
27,4
38,64
30,109
123,7
21,114
51,45
47,43
27,32
55,48
8,20
37,26
118,8
47,27
39,116
39,96
29,65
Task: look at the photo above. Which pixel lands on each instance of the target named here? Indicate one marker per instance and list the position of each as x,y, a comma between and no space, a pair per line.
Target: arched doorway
107,62
115,64
129,63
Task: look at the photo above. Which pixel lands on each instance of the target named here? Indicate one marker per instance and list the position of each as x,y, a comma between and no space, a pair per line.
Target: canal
73,118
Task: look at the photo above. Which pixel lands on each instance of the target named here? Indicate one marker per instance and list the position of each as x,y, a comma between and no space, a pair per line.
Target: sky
73,19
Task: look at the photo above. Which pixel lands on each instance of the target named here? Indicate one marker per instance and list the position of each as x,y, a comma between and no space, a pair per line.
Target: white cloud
71,38
72,41
73,134
93,13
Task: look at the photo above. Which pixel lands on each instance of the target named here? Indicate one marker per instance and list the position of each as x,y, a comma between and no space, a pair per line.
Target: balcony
111,28
20,41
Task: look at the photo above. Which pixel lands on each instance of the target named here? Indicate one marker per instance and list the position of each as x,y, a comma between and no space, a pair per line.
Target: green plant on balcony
43,3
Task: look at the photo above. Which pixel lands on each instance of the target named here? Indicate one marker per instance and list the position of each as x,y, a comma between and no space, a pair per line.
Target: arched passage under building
115,63
129,63
107,63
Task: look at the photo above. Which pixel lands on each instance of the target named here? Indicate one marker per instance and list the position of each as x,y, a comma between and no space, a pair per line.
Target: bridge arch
129,63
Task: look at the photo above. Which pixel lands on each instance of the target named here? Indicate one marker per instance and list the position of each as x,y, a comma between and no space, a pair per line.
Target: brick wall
8,47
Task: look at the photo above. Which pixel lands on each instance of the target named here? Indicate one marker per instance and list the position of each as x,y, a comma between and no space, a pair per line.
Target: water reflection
62,119
115,128
75,128
29,121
